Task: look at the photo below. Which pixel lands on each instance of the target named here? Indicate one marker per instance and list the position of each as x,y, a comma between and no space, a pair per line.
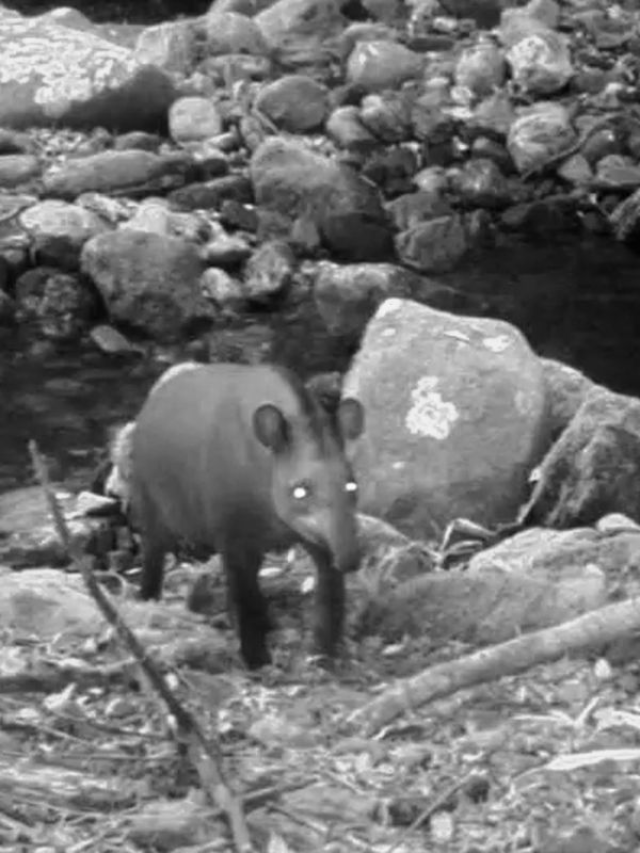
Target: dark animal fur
200,473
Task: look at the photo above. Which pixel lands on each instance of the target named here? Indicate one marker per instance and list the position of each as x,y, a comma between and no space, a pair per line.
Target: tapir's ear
271,427
350,418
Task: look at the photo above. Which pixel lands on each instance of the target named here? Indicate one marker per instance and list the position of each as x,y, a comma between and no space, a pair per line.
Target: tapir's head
313,488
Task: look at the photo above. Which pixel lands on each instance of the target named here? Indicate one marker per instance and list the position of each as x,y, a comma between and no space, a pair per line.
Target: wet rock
518,23
520,586
294,103
54,72
412,209
617,172
387,115
480,183
493,116
539,134
110,340
226,251
625,219
194,118
53,304
27,534
481,68
155,216
438,245
345,127
347,296
46,603
541,63
137,140
392,169
14,142
567,389
457,440
296,30
361,31
377,65
7,309
268,271
213,194
593,468
59,230
170,46
230,32
16,169
152,216
577,171
112,171
563,556
148,281
550,218
293,182
235,66
223,290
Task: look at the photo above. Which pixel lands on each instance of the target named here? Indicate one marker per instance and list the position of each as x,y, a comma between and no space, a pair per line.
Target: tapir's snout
338,535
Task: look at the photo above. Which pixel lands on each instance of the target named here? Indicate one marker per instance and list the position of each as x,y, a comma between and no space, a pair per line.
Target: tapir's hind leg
156,542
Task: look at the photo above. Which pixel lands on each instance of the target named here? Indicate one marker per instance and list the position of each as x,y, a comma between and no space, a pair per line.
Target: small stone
59,231
110,340
212,194
16,169
221,288
193,119
387,115
435,246
541,63
269,270
539,134
226,251
229,33
617,172
576,170
378,65
625,219
345,127
295,103
481,68
110,171
480,183
53,304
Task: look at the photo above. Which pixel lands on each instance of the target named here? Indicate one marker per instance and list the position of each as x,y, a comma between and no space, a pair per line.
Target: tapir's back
195,457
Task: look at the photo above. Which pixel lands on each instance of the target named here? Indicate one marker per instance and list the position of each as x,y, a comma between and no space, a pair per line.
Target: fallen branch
54,677
592,630
206,755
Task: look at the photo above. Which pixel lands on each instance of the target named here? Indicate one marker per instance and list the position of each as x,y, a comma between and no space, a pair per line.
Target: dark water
579,303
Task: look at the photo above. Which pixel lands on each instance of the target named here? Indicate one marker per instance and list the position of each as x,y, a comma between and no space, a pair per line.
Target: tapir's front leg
329,605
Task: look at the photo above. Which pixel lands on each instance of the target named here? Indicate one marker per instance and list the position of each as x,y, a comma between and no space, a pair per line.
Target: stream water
577,302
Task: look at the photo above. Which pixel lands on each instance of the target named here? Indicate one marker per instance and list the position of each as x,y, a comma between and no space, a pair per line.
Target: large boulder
456,418
60,69
594,467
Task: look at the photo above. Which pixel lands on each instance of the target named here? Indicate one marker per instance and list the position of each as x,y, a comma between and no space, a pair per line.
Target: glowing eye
351,487
300,492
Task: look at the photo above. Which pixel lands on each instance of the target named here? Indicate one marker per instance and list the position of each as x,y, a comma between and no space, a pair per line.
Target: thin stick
205,754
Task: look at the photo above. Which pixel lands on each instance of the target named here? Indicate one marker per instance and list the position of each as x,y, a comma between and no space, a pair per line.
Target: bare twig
206,755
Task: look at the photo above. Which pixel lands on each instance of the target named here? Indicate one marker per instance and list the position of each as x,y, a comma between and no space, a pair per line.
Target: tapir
240,460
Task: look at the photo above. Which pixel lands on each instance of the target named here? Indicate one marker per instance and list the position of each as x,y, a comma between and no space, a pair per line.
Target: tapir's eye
351,486
300,492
